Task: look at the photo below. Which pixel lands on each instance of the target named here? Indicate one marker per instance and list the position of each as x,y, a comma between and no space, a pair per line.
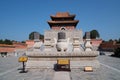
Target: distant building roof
109,45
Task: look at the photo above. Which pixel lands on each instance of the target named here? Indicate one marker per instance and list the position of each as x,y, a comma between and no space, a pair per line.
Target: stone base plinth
75,62
62,54
38,60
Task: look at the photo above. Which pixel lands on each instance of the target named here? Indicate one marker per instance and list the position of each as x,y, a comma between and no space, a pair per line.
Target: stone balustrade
58,54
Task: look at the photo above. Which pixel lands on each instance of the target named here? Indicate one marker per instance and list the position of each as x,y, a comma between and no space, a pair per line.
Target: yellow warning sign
63,61
23,59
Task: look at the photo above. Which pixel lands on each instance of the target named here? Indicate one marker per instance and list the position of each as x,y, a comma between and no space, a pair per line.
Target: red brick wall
56,28
67,27
7,49
96,42
70,27
30,43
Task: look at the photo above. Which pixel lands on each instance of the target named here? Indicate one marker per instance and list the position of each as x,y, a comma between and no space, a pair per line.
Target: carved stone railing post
76,45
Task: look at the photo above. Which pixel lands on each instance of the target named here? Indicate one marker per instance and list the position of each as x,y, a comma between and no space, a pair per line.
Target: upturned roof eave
51,24
70,16
62,22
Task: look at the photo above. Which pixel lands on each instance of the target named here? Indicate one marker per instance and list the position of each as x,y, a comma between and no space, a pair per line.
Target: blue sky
18,18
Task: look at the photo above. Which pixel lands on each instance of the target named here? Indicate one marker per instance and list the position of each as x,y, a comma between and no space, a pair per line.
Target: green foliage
31,35
110,40
118,41
94,34
22,41
1,41
117,52
41,37
6,41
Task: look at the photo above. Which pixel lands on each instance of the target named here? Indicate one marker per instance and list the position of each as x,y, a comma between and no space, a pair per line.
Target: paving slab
109,70
61,76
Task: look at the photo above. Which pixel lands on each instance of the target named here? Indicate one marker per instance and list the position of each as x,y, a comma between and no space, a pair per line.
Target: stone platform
48,60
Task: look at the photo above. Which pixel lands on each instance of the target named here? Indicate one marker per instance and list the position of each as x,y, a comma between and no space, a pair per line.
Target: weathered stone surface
62,76
55,54
63,41
109,70
37,64
51,34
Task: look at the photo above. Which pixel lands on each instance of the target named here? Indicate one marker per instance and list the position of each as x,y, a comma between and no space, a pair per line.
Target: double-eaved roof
63,18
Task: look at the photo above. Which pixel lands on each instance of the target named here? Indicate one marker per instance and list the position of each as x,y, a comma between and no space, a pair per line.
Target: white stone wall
51,34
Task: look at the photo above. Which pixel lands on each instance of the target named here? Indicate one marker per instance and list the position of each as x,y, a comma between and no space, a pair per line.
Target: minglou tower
62,41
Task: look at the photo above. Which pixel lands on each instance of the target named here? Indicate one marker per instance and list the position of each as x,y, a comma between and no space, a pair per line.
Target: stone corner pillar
88,46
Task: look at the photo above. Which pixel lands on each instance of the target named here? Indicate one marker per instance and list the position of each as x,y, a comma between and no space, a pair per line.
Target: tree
94,34
22,41
1,41
110,40
116,52
9,42
41,37
118,41
31,35
6,41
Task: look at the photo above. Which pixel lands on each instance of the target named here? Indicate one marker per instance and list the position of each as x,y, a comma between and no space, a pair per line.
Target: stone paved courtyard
109,70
